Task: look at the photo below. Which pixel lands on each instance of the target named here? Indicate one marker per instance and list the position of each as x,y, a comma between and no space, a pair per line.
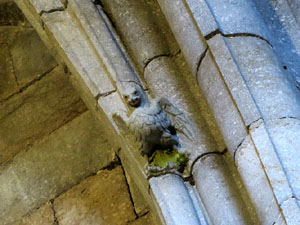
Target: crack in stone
128,187
215,32
289,198
148,61
201,59
55,222
100,95
26,86
59,9
13,66
237,148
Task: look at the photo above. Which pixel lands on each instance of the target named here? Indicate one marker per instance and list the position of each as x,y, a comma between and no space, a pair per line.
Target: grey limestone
203,16
219,99
49,168
177,208
285,136
290,210
269,158
237,16
42,6
233,79
181,23
219,194
256,182
136,18
164,80
270,87
104,39
295,6
78,51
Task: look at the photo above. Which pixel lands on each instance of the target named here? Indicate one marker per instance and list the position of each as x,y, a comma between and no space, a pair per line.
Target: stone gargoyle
154,122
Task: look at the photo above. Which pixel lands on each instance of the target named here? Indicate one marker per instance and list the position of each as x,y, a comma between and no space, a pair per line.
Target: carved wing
178,119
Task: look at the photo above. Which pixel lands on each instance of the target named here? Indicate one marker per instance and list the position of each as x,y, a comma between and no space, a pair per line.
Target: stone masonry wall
57,165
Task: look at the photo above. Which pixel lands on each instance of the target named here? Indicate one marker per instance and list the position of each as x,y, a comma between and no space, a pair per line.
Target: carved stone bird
154,123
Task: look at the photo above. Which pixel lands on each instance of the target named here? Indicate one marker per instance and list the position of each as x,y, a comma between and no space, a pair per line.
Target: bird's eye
135,92
125,96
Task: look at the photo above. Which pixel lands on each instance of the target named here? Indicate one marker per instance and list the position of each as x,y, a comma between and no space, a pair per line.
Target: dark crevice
201,59
128,187
237,148
55,222
100,95
249,126
148,61
13,67
59,9
215,32
26,86
132,221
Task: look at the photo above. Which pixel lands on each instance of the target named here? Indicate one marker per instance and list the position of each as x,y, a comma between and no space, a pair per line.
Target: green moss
165,158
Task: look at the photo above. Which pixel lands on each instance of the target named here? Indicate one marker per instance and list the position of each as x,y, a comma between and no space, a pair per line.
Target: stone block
100,199
290,210
234,16
138,29
202,15
219,192
234,79
78,51
36,112
42,6
177,209
10,14
221,102
42,216
285,137
104,39
256,182
143,220
164,79
8,84
182,23
270,87
26,49
270,161
64,158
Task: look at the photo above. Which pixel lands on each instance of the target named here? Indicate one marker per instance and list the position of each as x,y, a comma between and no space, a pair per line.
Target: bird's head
134,96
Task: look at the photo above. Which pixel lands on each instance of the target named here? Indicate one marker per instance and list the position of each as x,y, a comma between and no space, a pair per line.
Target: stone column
250,94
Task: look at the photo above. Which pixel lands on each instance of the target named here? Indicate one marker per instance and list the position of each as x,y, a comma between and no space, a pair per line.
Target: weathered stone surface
218,97
101,199
105,40
26,49
285,136
36,112
295,7
270,161
164,80
144,220
219,193
8,84
78,52
234,79
133,18
42,6
181,23
10,14
256,182
140,204
268,84
60,161
177,209
202,14
284,33
42,216
290,210
237,17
